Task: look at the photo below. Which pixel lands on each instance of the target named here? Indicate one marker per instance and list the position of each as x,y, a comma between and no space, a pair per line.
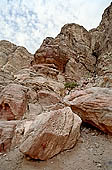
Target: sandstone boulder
13,102
94,106
20,130
51,133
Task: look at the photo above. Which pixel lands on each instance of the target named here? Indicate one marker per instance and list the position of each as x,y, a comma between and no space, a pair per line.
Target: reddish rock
48,98
70,51
51,133
94,106
20,130
6,134
13,102
51,53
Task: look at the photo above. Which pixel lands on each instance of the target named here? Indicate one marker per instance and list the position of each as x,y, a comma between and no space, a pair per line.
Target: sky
27,22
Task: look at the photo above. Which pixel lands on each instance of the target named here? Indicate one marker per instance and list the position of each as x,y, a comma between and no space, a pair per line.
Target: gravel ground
93,151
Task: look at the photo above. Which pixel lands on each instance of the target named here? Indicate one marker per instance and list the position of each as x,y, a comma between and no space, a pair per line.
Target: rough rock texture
31,85
12,57
80,53
13,102
51,133
94,106
20,130
102,43
35,80
6,134
69,51
5,79
47,98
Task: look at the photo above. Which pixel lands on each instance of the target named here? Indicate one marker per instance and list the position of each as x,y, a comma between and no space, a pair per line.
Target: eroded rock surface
80,53
70,51
94,106
13,102
31,85
6,134
12,57
51,133
101,43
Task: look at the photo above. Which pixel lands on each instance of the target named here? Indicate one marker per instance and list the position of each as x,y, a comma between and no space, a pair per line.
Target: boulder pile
45,97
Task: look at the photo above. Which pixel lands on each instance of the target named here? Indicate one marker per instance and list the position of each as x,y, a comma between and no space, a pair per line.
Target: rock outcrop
94,106
101,43
70,51
13,102
80,53
13,58
51,133
32,88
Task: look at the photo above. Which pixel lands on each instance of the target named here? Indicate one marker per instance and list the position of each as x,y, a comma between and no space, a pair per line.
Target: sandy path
92,152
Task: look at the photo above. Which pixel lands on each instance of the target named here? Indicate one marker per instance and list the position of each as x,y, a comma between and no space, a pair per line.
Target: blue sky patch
28,22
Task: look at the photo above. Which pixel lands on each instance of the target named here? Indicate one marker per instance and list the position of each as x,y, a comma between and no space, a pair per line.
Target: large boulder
94,106
51,133
13,102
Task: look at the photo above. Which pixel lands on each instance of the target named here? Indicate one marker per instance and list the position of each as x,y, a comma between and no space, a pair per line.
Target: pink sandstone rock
51,133
12,102
94,106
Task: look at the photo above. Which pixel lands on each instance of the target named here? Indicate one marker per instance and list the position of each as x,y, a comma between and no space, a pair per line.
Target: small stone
7,159
96,145
99,165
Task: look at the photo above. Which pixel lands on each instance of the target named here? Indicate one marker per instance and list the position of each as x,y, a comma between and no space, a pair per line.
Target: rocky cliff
79,53
44,95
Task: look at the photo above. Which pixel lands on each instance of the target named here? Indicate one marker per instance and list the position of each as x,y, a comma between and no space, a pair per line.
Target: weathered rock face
94,106
20,130
12,102
31,85
5,79
102,34
12,57
6,134
70,51
51,133
47,98
51,53
102,43
79,53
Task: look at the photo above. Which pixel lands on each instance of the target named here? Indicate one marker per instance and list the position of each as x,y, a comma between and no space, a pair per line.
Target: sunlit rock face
94,106
51,133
